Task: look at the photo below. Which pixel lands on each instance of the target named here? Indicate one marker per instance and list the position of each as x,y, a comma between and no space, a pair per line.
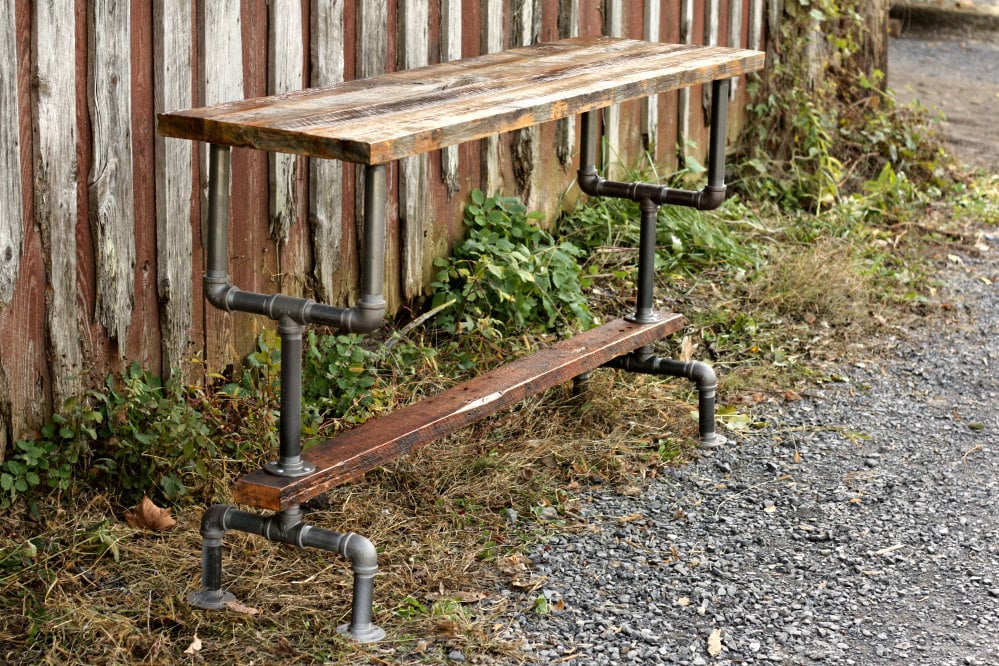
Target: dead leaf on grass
715,643
194,647
237,607
791,396
147,516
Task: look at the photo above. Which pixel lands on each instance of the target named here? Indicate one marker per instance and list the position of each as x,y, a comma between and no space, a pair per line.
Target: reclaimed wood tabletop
384,118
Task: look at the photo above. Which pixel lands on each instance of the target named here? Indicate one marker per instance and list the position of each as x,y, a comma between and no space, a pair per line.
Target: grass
773,298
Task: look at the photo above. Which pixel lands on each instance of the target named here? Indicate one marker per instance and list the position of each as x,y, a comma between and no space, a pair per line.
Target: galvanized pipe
644,312
644,361
289,462
708,198
287,527
364,317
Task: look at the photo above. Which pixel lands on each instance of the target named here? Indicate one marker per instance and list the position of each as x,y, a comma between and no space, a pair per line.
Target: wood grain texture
174,181
450,50
382,440
524,150
286,61
492,42
11,217
414,170
756,24
326,176
734,37
565,130
650,105
613,159
683,108
55,188
111,187
404,113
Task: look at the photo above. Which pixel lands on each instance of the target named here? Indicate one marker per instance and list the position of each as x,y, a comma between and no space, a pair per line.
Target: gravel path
856,527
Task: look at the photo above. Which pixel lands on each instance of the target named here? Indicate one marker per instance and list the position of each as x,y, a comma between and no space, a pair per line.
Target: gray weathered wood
614,27
565,131
450,50
55,188
371,49
414,22
712,22
326,176
11,215
683,105
172,62
112,210
404,113
526,30
756,24
650,105
492,43
286,63
734,38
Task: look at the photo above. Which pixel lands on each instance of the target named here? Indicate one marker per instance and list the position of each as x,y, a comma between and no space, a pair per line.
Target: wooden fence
101,221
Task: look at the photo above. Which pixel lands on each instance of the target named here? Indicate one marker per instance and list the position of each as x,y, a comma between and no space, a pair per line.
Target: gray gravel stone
878,545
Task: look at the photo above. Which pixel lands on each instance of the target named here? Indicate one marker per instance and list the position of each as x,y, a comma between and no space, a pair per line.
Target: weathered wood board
382,440
11,217
111,187
404,113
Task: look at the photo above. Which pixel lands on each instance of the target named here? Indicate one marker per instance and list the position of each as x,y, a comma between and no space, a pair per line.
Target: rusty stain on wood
382,440
449,103
326,176
111,188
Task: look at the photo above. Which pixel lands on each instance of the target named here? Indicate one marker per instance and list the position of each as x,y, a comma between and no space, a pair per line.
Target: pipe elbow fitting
213,522
703,375
361,552
217,291
366,316
588,180
711,197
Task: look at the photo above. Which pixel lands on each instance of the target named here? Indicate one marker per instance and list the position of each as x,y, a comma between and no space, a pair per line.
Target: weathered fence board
55,167
413,171
11,217
111,189
326,176
287,55
174,180
68,283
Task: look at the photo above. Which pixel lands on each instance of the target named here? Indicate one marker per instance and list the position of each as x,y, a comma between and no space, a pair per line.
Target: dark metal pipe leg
644,361
211,595
289,462
287,527
644,313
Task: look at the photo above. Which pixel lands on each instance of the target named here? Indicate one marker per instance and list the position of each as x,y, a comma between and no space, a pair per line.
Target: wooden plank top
384,118
382,440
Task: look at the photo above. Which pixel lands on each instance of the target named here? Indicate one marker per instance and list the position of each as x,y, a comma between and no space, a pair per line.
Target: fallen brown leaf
237,607
194,647
715,643
147,516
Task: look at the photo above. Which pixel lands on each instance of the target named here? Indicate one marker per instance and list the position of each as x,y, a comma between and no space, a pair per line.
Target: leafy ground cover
818,250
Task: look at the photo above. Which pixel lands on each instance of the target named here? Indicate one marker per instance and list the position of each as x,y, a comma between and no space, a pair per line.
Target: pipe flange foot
278,468
714,442
210,599
368,634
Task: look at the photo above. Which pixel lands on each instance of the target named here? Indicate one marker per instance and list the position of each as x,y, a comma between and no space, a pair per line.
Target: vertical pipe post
217,260
716,147
644,313
289,462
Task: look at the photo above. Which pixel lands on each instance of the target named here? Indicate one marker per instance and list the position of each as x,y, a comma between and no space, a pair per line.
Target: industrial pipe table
375,121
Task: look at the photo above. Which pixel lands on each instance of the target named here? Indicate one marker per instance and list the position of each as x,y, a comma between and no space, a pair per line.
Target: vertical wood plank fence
101,221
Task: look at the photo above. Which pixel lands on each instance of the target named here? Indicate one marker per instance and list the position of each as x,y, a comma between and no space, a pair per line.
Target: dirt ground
949,61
